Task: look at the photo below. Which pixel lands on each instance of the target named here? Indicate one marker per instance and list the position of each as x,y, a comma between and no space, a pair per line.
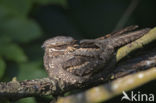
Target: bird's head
58,44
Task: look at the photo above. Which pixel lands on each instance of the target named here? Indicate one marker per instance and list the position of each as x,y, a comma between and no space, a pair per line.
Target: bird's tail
129,37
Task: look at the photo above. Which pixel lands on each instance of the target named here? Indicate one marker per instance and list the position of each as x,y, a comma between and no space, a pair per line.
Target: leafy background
25,24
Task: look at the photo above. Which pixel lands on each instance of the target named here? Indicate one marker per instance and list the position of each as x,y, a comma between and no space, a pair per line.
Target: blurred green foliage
26,100
25,24
16,30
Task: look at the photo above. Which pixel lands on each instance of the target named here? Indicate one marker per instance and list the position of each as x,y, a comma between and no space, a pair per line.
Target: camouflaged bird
76,61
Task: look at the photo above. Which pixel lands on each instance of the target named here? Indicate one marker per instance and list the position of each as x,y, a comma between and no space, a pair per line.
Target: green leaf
31,70
27,100
12,52
19,7
2,67
57,2
20,29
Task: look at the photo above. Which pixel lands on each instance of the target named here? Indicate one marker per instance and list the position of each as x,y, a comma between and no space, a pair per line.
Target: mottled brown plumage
72,61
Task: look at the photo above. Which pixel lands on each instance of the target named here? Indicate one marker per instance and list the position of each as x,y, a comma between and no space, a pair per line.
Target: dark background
25,24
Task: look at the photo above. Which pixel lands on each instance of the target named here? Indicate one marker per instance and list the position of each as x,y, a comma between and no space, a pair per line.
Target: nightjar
76,61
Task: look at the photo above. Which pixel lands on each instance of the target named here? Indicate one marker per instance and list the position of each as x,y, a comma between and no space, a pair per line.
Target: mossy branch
146,39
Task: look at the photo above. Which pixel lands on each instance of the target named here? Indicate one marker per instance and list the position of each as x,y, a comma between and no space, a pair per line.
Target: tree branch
146,39
102,93
15,89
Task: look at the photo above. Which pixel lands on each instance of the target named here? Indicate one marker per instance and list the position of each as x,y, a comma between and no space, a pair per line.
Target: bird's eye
61,47
57,48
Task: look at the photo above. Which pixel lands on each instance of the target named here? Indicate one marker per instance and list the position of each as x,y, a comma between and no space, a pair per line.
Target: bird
71,61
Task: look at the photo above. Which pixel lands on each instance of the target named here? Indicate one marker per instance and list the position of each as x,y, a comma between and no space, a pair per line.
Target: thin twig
126,14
